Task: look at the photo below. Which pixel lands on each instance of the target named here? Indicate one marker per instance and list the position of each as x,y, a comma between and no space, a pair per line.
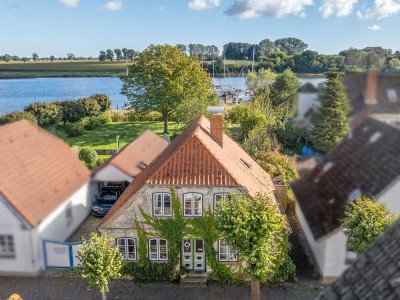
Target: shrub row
133,116
87,123
17,116
69,111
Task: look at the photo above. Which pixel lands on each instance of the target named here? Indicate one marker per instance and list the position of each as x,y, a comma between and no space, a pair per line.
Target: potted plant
183,272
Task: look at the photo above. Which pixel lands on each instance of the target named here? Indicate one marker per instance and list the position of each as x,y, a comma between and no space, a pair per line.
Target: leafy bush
287,271
90,106
144,116
119,116
72,111
365,219
105,117
103,101
99,161
92,122
74,129
151,272
45,113
276,164
89,156
17,116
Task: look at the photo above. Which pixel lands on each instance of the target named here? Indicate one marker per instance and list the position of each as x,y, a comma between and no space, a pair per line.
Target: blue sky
84,27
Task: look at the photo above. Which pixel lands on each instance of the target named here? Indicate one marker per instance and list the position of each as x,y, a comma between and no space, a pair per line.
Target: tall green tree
109,54
365,219
248,116
99,262
332,124
102,56
162,79
182,47
257,229
284,94
118,53
125,53
35,56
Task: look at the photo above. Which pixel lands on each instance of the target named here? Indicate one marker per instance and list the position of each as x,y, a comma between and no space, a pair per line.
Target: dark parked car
108,195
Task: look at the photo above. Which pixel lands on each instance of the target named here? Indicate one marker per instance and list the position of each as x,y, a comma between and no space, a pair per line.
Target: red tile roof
136,155
194,158
38,170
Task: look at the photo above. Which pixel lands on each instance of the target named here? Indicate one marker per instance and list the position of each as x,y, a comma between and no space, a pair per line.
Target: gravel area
43,288
84,230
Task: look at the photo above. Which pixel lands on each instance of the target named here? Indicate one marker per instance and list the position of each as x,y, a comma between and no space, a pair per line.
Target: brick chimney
217,125
371,88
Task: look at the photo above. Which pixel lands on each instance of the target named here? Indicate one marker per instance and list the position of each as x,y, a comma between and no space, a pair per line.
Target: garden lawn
104,137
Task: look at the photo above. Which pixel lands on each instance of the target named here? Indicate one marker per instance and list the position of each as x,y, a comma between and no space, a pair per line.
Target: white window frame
192,208
162,214
125,253
158,253
223,198
229,252
7,246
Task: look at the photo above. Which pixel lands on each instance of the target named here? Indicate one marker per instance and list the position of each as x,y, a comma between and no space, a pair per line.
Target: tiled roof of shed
136,155
374,275
38,170
365,163
195,158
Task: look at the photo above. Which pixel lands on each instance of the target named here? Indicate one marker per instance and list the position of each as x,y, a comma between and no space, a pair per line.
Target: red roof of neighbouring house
195,158
135,156
38,170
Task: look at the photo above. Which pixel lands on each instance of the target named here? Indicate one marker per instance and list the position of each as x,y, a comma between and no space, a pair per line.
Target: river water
15,94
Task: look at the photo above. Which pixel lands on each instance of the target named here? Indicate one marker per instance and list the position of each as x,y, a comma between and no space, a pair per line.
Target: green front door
193,256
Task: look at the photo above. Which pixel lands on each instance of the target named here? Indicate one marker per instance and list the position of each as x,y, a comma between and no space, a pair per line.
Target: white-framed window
162,204
192,205
7,248
226,252
220,197
158,249
127,247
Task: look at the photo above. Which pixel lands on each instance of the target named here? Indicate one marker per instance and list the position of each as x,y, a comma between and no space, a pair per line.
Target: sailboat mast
252,64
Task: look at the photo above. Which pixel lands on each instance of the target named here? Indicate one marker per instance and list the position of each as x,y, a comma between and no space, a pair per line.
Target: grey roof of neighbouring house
365,163
374,275
355,84
307,88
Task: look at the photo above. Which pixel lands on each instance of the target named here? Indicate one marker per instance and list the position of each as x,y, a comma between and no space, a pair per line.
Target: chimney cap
215,109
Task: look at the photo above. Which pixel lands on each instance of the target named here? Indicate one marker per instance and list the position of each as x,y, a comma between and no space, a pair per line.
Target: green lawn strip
104,137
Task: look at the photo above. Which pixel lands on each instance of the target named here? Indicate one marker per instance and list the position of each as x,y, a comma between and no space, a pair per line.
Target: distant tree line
277,55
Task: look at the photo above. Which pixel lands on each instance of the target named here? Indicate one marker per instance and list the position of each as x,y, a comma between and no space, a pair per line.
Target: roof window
392,95
246,163
375,137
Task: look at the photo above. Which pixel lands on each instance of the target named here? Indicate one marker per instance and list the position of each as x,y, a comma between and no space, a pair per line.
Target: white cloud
338,8
70,3
112,5
203,4
374,27
381,9
246,9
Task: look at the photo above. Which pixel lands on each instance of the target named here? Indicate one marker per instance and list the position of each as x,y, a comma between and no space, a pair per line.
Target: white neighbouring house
129,161
367,162
44,195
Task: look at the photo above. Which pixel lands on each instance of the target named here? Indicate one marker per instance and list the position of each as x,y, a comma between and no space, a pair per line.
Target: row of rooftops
364,163
40,171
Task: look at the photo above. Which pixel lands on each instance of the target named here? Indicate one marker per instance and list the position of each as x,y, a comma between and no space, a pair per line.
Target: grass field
81,68
104,137
86,68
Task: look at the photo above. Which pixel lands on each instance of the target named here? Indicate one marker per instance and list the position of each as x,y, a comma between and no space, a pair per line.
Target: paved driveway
44,288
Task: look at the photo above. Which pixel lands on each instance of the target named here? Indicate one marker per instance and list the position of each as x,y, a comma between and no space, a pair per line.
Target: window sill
7,256
159,261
